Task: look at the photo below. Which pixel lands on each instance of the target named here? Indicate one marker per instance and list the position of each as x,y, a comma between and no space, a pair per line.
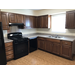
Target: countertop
66,38
31,36
6,40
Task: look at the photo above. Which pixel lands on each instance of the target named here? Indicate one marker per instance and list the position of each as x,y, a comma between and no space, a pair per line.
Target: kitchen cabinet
59,47
41,43
56,48
12,18
15,18
48,46
9,51
5,21
70,20
19,18
36,23
0,17
66,49
29,21
44,21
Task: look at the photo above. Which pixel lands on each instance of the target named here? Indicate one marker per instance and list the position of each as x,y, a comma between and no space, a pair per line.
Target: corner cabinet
70,20
44,21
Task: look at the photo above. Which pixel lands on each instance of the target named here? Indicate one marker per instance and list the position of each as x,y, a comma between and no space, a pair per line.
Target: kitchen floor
40,57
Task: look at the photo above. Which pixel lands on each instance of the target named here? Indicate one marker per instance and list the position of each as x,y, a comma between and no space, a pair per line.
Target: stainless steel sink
56,36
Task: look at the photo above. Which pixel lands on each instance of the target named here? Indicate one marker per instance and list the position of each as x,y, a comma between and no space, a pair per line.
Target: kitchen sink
56,36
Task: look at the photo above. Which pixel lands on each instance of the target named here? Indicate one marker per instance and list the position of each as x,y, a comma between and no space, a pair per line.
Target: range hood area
20,25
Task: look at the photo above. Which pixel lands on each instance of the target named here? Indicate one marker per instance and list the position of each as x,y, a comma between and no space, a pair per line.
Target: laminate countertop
6,40
66,38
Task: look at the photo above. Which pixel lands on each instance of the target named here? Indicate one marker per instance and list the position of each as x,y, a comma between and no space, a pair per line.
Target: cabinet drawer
9,52
9,57
54,40
66,43
9,48
41,38
8,44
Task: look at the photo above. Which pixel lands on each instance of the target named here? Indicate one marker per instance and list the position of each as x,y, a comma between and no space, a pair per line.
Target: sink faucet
56,36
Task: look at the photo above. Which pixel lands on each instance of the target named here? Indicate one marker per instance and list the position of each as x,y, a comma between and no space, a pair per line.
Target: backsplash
16,29
70,32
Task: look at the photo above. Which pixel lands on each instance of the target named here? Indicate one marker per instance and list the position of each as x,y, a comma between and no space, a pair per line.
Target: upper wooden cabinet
19,18
70,20
15,18
43,21
5,21
29,21
12,18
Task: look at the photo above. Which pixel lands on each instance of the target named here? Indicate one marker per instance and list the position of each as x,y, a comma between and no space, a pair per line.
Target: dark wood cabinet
48,46
41,43
27,22
30,21
56,48
43,21
12,18
70,20
62,48
15,18
0,17
19,18
66,50
5,21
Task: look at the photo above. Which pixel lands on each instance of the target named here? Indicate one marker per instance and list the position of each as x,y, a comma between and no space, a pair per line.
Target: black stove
20,44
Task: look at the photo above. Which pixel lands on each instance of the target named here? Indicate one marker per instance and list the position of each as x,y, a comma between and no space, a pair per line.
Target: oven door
20,49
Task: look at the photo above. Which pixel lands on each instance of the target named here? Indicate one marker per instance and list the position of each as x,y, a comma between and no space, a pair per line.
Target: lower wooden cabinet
48,46
9,51
56,48
59,47
66,51
41,44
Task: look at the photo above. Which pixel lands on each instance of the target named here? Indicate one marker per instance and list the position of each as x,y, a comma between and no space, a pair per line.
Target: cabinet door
27,22
5,22
48,46
41,44
56,48
12,18
45,21
70,19
19,18
31,21
66,51
0,16
34,22
40,22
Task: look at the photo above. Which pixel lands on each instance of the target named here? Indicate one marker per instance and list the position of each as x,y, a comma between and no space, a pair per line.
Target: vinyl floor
40,57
